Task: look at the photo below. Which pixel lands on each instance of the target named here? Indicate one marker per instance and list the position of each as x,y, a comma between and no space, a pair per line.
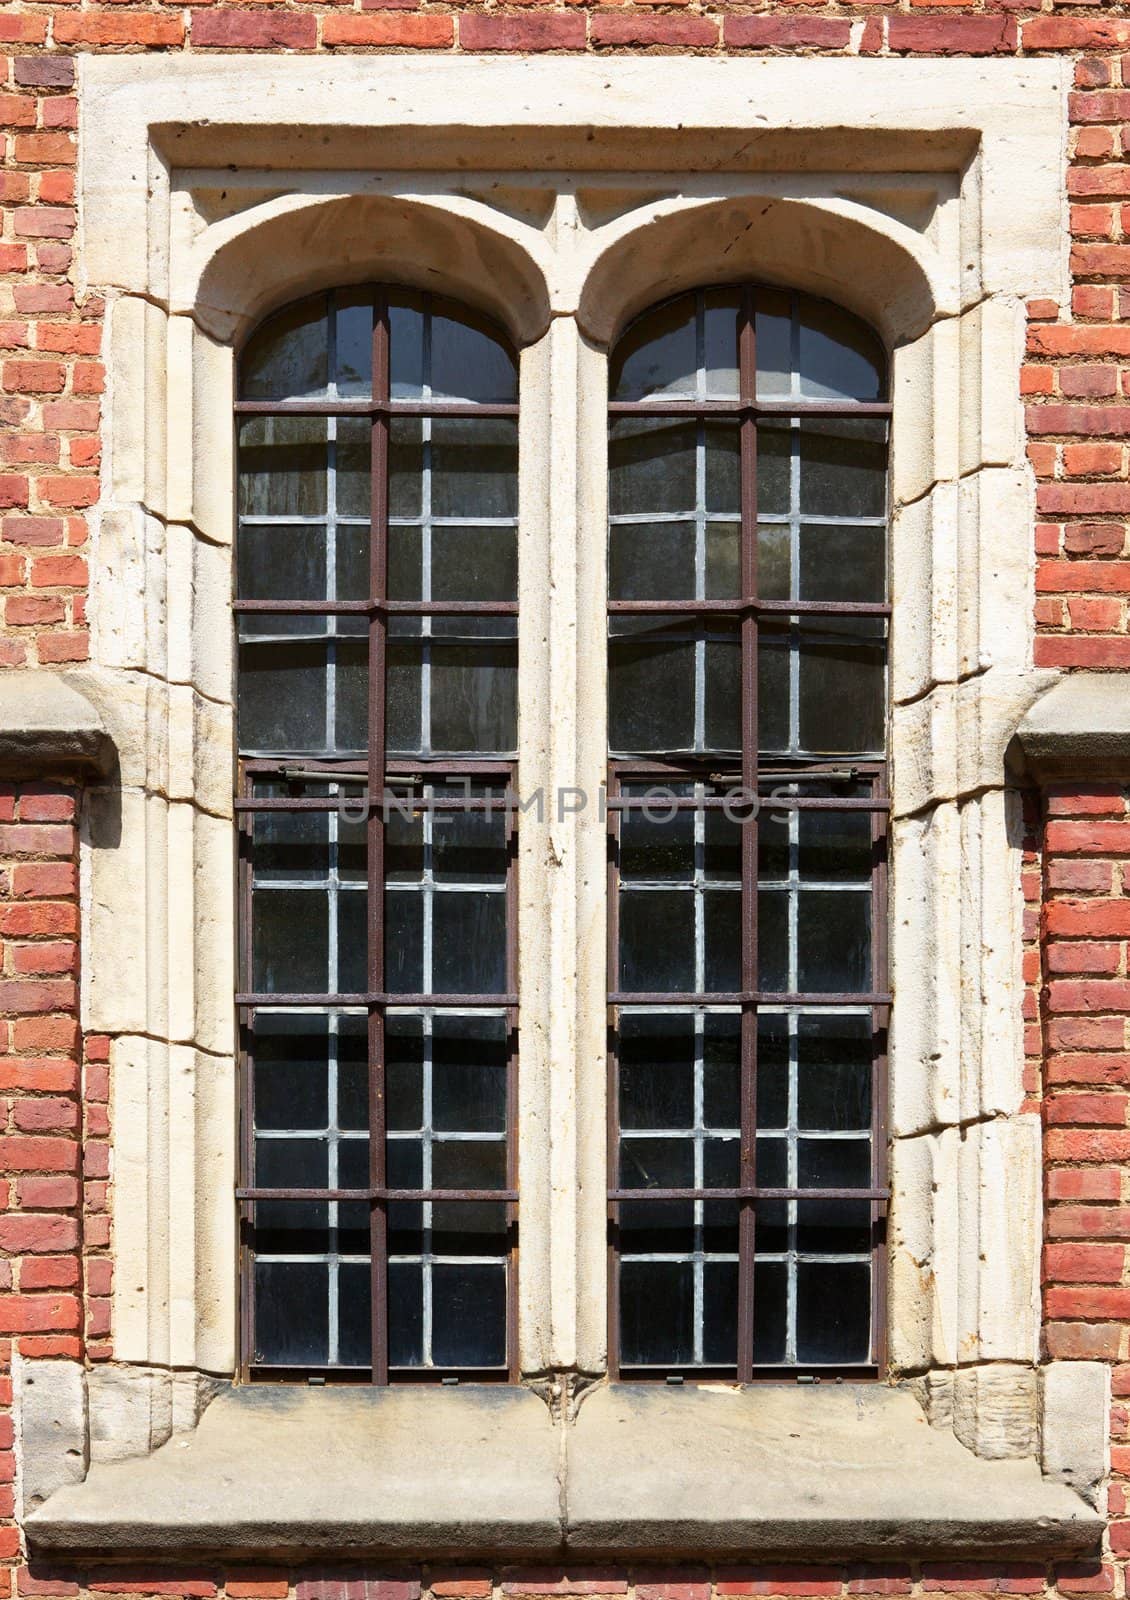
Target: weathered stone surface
48,725
1074,1437
838,1471
1079,730
51,1408
301,1470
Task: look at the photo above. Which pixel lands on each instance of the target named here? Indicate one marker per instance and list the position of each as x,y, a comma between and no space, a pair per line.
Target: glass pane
775,446
282,466
464,671
770,1313
721,1071
657,1071
405,1314
291,1088
657,843
833,1311
772,1071
652,466
720,343
469,1315
291,1313
405,467
833,1163
774,561
351,458
287,358
842,684
354,1310
657,949
281,562
656,1313
723,940
469,1069
842,563
404,1071
651,561
843,467
290,942
283,689
773,327
839,356
658,354
406,346
474,467
720,1313
834,1070
834,942
354,333
469,846
833,846
469,360
474,563
673,687
469,943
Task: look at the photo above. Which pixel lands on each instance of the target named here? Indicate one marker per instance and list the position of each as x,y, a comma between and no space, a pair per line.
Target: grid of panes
747,648
376,619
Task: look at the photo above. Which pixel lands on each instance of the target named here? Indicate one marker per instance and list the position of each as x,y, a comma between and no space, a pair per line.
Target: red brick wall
55,1260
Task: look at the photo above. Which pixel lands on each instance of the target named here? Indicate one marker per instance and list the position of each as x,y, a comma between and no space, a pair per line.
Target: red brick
62,1194
1059,33
952,36
1084,1263
107,28
634,31
765,33
1077,1341
40,1313
44,222
240,30
415,32
34,377
44,72
554,32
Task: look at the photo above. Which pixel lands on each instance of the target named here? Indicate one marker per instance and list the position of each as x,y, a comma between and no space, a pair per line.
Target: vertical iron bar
245,1213
612,1113
375,840
747,381
880,1023
512,1179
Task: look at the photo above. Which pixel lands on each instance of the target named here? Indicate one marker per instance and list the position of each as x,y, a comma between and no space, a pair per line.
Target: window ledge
832,1473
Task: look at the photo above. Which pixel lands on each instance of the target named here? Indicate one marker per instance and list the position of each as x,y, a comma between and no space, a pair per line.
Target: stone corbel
48,727
1078,731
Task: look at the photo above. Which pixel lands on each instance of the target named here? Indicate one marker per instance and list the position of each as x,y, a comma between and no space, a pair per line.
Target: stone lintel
48,726
827,1472
1077,732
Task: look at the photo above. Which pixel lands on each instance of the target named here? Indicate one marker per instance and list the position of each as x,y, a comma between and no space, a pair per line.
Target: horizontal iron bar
719,802
268,1002
503,1196
748,997
398,802
750,1192
352,608
750,408
830,608
374,408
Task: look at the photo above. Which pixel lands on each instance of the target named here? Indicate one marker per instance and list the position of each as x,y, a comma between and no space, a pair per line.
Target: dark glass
833,1163
469,846
404,942
839,358
474,467
773,941
283,465
404,1071
290,1075
720,1313
656,1313
772,1071
652,671
833,1312
773,326
657,842
651,466
722,919
770,1313
472,673
469,1315
721,1071
841,563
282,696
469,943
657,355
469,1066
469,360
833,1227
287,358
291,1313
843,462
774,561
657,941
834,1068
289,942
842,684
656,1065
281,562
355,1310
354,342
834,846
405,1314
834,942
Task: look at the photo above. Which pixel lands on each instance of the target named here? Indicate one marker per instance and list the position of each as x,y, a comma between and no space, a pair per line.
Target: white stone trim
926,195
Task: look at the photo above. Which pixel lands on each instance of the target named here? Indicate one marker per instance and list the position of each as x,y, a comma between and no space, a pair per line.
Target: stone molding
1078,731
48,727
925,195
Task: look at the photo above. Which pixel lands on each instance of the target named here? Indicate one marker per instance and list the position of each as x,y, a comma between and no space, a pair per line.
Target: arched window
747,805
377,728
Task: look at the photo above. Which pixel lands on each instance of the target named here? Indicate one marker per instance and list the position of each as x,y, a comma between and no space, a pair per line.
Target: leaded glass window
748,616
376,617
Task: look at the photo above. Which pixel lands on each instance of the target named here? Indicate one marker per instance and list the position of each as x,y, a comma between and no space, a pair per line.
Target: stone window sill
837,1472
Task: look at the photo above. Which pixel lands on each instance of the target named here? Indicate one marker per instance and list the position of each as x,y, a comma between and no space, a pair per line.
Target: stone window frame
563,196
